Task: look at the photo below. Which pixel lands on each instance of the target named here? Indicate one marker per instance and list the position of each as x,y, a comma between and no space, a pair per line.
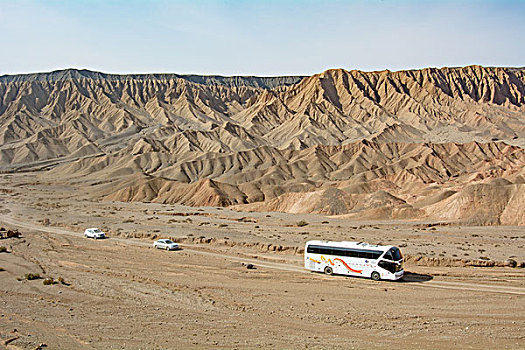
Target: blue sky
258,37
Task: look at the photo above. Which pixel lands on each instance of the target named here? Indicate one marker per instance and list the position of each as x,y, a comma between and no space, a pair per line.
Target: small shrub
32,276
1,269
223,225
301,223
3,250
48,281
61,280
325,222
127,221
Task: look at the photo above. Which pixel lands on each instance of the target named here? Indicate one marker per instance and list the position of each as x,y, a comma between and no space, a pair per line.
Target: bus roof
346,244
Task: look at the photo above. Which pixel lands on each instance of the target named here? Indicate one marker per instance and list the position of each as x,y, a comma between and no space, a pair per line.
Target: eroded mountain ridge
429,143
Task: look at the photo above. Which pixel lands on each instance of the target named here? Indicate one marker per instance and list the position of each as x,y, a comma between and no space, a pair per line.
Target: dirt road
122,293
433,283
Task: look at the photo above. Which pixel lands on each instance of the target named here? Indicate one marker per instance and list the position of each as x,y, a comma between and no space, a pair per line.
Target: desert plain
120,292
241,172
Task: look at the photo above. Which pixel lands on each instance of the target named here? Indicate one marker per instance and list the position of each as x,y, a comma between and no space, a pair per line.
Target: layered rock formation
431,143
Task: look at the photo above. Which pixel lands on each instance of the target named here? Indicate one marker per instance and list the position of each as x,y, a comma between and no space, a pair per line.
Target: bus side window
370,255
391,267
352,253
388,255
313,249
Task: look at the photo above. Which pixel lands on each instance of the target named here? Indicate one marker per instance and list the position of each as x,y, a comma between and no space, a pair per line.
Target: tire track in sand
464,286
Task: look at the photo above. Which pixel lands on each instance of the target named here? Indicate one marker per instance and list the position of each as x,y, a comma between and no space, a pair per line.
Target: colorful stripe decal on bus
337,259
315,261
348,267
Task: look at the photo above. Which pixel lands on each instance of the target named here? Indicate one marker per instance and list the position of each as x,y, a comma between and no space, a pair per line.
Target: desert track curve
453,285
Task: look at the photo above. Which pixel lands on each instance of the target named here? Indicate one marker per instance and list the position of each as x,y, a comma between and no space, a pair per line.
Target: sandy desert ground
122,293
245,170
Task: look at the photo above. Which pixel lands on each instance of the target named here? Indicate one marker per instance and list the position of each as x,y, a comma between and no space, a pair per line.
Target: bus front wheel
375,276
328,270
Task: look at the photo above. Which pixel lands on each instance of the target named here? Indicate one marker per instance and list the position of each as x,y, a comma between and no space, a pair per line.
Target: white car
165,244
94,233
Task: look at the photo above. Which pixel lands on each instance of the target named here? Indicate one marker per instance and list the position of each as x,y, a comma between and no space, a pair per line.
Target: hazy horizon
256,38
237,75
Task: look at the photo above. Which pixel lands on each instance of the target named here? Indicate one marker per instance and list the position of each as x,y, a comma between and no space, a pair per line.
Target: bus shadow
411,277
408,277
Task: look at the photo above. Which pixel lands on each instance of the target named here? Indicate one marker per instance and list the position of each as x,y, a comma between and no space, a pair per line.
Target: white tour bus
354,259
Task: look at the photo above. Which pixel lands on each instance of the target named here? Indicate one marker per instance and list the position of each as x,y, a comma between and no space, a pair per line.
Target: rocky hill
444,144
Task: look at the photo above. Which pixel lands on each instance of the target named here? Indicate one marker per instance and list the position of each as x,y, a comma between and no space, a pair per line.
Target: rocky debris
6,233
510,263
451,262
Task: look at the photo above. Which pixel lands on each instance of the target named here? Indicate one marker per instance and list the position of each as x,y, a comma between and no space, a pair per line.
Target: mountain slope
369,144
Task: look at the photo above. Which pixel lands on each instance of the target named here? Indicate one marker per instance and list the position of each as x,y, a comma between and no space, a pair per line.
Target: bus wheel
328,270
375,276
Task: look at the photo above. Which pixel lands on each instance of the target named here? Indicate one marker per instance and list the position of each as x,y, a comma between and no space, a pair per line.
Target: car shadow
168,250
412,277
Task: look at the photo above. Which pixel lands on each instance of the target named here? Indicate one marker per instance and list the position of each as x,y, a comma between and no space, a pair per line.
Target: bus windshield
396,254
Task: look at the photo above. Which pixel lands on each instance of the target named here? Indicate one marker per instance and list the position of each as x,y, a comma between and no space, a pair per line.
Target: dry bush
32,276
48,281
301,223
